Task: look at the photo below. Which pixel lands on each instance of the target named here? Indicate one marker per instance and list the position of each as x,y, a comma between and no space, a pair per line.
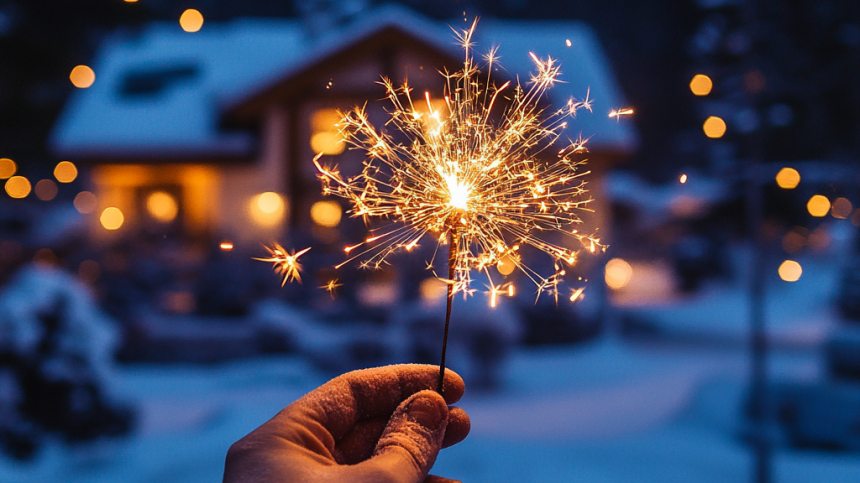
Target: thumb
412,438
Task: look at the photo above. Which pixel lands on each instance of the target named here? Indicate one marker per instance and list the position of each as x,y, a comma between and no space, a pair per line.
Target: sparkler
477,174
285,263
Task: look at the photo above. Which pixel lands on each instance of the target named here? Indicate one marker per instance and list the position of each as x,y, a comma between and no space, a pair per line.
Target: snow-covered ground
604,412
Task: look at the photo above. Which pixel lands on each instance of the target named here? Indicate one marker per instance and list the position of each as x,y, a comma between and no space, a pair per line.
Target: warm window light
112,218
162,206
790,271
818,206
267,209
618,273
788,178
7,168
46,190
326,213
226,246
191,20
714,127
85,202
701,85
841,208
18,187
82,77
326,138
65,172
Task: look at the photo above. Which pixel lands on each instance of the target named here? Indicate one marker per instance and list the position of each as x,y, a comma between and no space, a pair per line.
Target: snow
612,411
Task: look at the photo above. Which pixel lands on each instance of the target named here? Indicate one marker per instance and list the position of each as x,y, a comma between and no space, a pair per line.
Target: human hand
376,425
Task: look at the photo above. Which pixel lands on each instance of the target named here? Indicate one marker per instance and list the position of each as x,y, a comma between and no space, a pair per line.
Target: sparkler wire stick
452,259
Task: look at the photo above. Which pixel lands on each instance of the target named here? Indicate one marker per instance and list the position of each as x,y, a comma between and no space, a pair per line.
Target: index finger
369,393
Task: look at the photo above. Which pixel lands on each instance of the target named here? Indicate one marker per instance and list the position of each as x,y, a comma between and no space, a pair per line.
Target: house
212,134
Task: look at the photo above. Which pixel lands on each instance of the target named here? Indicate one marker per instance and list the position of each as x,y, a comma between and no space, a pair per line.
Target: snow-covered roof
161,93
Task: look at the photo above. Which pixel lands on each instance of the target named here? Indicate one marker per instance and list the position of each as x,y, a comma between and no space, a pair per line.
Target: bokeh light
714,127
162,206
326,213
7,168
18,187
790,271
618,273
506,266
112,218
841,208
82,77
191,20
794,240
267,209
65,172
46,190
701,85
683,179
432,289
818,206
46,256
226,246
85,202
788,178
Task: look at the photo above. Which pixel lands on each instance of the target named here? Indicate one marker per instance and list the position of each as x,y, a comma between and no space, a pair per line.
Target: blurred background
148,148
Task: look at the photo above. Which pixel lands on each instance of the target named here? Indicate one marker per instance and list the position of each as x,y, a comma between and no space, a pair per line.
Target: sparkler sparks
331,286
481,172
286,264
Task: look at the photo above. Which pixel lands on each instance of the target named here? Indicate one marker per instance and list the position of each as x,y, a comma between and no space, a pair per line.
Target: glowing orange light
326,213
818,206
790,271
268,209
7,168
46,190
331,287
191,20
683,179
842,208
65,172
576,294
787,178
226,246
162,206
701,85
618,273
714,127
18,187
82,77
618,113
85,202
112,218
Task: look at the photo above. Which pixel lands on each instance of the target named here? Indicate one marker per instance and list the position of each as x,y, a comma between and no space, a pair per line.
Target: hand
375,425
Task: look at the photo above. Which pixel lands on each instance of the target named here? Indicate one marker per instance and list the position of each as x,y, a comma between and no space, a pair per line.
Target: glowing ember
476,177
331,286
286,264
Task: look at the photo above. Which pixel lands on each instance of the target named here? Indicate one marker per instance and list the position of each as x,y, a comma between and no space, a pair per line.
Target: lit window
112,218
162,206
326,213
191,20
267,209
65,172
701,85
326,138
82,77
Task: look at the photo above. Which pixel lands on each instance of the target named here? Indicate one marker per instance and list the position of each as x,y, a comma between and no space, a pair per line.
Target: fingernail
427,411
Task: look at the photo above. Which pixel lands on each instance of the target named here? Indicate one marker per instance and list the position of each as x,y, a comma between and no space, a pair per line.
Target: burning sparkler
286,264
472,174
